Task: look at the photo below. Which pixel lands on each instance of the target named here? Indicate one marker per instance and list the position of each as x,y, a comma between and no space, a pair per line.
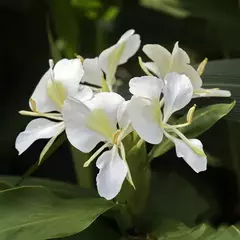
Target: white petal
70,73
193,75
201,92
179,56
128,45
109,102
75,115
178,92
122,115
130,48
160,56
151,66
196,162
40,128
146,86
40,96
145,117
85,93
92,72
113,171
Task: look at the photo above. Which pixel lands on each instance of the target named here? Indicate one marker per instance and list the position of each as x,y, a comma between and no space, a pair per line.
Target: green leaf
173,197
61,189
86,4
171,230
111,13
203,119
36,213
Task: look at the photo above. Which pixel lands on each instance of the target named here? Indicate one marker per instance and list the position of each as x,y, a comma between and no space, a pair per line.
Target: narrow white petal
113,171
40,128
126,36
193,75
130,48
69,73
146,86
119,53
92,72
109,102
196,162
160,56
40,96
75,115
85,93
177,92
145,118
201,92
152,67
122,115
179,56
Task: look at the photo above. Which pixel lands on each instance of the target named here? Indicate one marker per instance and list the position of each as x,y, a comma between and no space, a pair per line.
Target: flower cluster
64,101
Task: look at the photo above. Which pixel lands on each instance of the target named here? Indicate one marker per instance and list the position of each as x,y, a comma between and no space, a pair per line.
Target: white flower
110,58
145,113
95,121
178,61
49,95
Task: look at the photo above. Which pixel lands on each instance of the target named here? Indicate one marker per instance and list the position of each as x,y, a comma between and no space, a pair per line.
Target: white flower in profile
110,59
178,61
150,123
95,121
57,83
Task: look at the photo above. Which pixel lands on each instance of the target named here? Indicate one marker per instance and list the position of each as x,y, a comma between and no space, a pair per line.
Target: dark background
34,31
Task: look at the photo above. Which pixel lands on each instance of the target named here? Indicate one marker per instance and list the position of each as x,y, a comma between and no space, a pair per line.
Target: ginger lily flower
57,83
178,61
95,121
110,59
150,123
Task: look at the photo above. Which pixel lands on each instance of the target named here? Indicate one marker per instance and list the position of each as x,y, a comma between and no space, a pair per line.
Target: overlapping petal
146,86
40,95
160,56
40,128
112,172
92,72
178,92
69,73
145,117
75,115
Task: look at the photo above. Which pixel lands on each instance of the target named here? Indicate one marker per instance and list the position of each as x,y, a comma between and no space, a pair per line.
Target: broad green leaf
100,230
86,4
36,213
203,119
171,230
61,189
174,197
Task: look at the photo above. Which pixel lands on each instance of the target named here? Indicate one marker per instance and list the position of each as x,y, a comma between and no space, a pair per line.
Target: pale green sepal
143,67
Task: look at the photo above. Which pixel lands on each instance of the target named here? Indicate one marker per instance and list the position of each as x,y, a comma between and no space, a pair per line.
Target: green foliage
28,212
203,119
172,230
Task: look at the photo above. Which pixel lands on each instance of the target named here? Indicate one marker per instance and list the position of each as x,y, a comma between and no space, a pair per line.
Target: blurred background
34,31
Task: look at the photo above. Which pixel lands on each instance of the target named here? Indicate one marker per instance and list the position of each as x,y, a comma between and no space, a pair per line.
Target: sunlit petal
145,117
160,56
178,93
196,162
39,128
113,171
75,116
92,72
146,86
